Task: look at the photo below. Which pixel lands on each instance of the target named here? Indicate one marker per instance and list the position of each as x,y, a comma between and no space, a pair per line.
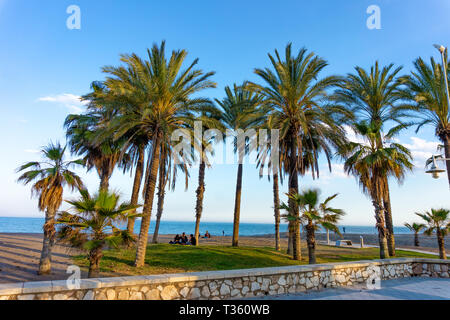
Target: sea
34,225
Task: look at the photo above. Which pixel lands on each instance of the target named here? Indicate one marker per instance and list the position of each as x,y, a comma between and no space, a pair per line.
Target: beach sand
20,253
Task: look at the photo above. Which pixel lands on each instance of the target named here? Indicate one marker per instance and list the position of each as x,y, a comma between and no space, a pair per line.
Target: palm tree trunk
161,195
416,239
148,203
45,263
237,204
104,180
136,186
447,155
200,193
290,237
276,204
441,244
294,210
311,239
379,216
95,255
389,222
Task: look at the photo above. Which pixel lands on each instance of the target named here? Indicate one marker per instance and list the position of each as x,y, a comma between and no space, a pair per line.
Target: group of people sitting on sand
183,239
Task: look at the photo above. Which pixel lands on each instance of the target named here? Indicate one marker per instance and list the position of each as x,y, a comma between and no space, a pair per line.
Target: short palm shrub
91,225
313,215
416,228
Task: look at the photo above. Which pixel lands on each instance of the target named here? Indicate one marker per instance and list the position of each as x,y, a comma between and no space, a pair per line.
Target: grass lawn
165,258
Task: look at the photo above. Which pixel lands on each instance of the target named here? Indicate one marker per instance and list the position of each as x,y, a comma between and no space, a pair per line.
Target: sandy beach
20,253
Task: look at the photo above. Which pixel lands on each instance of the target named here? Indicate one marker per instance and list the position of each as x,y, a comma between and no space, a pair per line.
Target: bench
342,243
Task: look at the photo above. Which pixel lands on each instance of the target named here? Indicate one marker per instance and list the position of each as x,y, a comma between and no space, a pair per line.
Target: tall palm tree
93,225
314,214
49,179
240,111
165,92
426,89
275,176
416,228
265,158
374,96
370,163
162,182
294,92
82,131
438,221
209,119
167,177
133,144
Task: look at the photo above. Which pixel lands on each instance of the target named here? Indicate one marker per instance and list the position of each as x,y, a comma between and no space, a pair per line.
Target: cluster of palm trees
134,112
436,221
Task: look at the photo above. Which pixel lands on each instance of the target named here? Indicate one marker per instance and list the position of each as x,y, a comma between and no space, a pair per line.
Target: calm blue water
34,225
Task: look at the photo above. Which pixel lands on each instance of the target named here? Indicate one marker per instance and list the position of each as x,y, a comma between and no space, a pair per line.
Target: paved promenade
401,289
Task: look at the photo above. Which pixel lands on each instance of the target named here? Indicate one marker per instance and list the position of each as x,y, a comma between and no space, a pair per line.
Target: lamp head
441,48
435,171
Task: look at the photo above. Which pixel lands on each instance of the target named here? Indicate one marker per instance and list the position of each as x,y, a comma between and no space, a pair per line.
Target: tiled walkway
401,289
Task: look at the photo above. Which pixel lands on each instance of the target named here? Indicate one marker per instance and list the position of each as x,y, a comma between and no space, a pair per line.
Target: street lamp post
443,51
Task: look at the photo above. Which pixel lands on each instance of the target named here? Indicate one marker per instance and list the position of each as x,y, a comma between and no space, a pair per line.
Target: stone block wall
232,284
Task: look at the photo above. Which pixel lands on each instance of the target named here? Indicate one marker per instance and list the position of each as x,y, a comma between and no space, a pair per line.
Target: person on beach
192,241
176,240
184,239
207,235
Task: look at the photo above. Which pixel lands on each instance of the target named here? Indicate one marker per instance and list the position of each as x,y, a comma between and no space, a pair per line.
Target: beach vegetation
438,222
375,96
91,225
49,178
416,228
314,215
295,93
370,162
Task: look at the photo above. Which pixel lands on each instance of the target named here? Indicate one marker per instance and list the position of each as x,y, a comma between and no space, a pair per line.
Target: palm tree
370,163
162,182
313,215
240,112
416,228
167,173
426,88
266,155
209,118
133,144
438,221
49,178
373,97
139,173
295,94
93,225
82,133
165,94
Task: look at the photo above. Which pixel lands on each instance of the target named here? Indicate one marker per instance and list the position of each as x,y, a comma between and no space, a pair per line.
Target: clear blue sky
43,66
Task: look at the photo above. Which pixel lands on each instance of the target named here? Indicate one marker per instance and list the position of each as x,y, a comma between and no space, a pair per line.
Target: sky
45,67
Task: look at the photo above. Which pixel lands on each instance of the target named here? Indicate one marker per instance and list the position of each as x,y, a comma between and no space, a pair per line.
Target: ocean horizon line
215,221
169,227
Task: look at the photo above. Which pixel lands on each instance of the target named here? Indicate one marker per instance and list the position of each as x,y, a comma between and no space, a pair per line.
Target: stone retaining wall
233,284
